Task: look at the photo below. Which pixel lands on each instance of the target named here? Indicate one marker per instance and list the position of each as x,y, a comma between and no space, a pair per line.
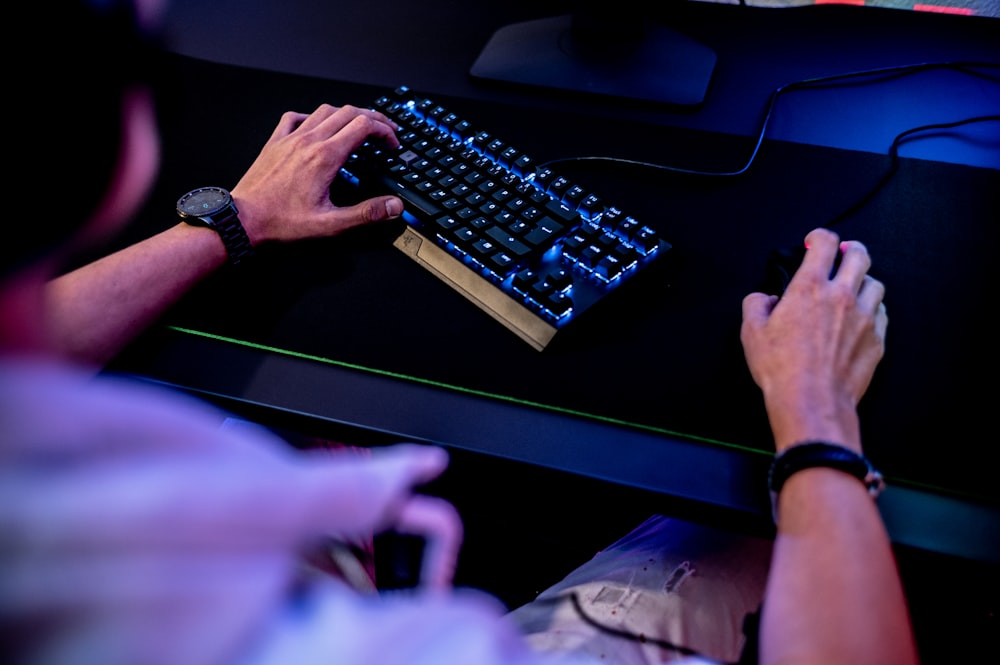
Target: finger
320,115
870,294
377,209
362,126
439,524
345,114
288,122
881,321
854,264
822,246
331,121
870,300
757,307
416,464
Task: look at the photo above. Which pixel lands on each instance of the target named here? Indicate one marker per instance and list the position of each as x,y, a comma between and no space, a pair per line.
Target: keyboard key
512,244
545,231
562,211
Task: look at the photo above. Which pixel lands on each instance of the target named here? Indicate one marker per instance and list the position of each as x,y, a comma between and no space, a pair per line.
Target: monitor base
664,66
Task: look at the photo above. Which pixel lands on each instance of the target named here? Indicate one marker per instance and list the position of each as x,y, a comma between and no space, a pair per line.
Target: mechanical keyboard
523,243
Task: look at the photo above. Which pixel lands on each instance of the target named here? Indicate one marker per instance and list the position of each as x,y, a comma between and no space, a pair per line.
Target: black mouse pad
664,352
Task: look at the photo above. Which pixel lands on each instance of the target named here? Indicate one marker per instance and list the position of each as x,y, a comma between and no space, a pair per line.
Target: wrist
793,421
249,217
201,241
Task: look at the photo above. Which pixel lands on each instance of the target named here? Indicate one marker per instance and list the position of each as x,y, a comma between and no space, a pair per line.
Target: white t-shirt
136,530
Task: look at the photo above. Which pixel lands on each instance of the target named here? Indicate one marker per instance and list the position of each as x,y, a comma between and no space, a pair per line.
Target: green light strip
467,391
522,402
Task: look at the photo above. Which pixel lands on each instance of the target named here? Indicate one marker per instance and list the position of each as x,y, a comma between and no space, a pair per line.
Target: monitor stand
663,66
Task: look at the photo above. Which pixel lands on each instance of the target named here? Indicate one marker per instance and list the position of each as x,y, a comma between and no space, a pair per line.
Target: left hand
285,194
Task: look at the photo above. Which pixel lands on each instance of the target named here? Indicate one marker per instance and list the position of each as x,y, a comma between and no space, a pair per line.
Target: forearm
834,594
96,310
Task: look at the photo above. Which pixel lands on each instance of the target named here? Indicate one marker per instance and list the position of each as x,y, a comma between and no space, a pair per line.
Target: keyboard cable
971,68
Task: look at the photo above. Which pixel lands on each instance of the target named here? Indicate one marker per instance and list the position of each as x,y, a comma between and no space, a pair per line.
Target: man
136,528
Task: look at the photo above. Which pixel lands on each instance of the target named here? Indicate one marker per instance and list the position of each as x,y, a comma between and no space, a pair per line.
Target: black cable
966,67
894,163
624,634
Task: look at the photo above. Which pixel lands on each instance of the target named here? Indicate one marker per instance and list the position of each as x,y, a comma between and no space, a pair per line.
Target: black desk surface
648,391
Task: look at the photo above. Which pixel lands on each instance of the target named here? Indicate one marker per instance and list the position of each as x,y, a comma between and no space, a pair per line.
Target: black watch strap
820,453
233,235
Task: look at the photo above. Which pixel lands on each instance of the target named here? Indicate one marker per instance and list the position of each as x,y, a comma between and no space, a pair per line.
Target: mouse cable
616,632
901,138
967,67
751,627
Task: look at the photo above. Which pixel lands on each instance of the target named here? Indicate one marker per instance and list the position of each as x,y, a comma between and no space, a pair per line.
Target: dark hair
77,60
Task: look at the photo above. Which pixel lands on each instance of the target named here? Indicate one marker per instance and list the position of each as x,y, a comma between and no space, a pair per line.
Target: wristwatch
214,207
820,453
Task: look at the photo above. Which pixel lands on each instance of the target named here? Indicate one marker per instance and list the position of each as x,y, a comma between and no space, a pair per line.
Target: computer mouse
781,265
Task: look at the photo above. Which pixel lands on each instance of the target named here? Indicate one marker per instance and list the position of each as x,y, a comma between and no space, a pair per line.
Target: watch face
203,201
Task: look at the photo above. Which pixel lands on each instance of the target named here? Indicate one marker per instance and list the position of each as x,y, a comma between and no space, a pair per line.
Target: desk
350,332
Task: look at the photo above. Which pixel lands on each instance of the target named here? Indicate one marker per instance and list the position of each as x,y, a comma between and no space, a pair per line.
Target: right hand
285,194
813,352
374,493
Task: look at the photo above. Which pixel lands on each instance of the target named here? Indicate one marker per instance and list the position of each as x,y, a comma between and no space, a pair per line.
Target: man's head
79,62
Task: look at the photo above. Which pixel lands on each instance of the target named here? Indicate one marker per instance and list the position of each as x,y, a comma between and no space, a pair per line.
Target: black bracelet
820,453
